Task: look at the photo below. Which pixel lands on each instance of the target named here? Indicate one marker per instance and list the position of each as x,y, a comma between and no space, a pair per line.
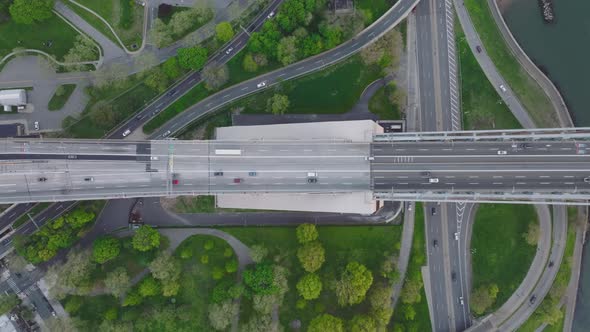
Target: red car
237,180
175,181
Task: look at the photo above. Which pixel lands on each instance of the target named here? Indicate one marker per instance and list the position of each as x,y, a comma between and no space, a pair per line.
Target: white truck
228,152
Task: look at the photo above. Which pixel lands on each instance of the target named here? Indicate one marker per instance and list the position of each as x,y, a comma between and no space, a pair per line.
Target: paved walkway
109,48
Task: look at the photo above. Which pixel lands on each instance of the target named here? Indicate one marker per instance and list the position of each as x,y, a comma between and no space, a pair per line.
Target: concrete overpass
528,166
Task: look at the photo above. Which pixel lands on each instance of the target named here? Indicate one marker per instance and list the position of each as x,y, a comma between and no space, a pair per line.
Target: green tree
325,322
532,235
549,311
105,248
483,298
354,284
73,276
260,279
192,57
292,15
258,252
74,304
146,238
215,76
220,315
117,282
411,291
231,266
31,11
133,298
312,45
277,104
306,233
79,217
362,323
309,286
311,256
249,64
170,287
332,35
157,80
7,302
161,34
263,303
224,32
165,266
149,287
171,67
287,50
408,312
380,302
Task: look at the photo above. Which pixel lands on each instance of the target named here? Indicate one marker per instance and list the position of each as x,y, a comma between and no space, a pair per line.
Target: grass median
61,96
528,91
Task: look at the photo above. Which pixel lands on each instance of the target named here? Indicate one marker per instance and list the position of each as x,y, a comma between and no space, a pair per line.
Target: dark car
218,173
453,276
433,211
312,180
478,48
171,93
435,243
42,179
533,299
425,173
550,263
252,173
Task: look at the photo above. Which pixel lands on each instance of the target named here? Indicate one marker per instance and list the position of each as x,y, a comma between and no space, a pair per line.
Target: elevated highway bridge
546,165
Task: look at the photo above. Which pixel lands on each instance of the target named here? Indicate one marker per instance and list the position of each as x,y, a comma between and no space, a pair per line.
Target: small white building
14,97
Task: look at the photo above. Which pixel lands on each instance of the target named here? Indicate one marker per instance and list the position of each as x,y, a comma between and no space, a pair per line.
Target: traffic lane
11,216
426,67
515,164
194,78
456,274
435,263
292,148
295,70
483,185
466,148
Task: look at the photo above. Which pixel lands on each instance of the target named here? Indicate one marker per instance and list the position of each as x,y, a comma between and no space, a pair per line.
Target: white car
457,236
271,15
461,300
166,133
261,84
126,132
502,152
229,50
36,124
587,179
502,87
154,158
433,180
369,158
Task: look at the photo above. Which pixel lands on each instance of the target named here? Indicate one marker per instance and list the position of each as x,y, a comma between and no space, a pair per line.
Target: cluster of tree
192,58
72,277
384,52
57,234
224,32
8,302
311,255
286,38
146,238
353,284
84,49
483,298
180,24
31,11
277,104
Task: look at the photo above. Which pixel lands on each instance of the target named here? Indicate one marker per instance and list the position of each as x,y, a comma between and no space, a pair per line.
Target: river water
562,51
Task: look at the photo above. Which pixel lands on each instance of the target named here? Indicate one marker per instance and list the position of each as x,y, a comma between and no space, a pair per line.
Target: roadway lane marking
545,183
283,74
497,176
520,176
347,184
300,68
473,176
544,176
568,183
497,183
9,185
520,182
319,61
246,88
208,105
225,96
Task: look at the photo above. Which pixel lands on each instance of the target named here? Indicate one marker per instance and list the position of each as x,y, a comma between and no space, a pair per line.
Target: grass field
367,245
417,260
36,36
57,102
529,92
124,16
380,105
482,106
373,9
500,255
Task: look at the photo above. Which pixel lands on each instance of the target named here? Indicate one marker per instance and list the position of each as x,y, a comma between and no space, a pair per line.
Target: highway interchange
415,179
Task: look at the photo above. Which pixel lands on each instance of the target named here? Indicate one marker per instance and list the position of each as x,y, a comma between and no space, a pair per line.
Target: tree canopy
146,238
31,11
311,256
309,286
483,298
105,249
260,279
277,104
354,284
306,233
224,32
192,57
325,322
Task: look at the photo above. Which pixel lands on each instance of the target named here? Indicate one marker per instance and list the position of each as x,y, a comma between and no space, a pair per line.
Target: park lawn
380,105
54,29
414,272
124,16
562,278
500,254
333,90
528,91
369,245
482,106
58,102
